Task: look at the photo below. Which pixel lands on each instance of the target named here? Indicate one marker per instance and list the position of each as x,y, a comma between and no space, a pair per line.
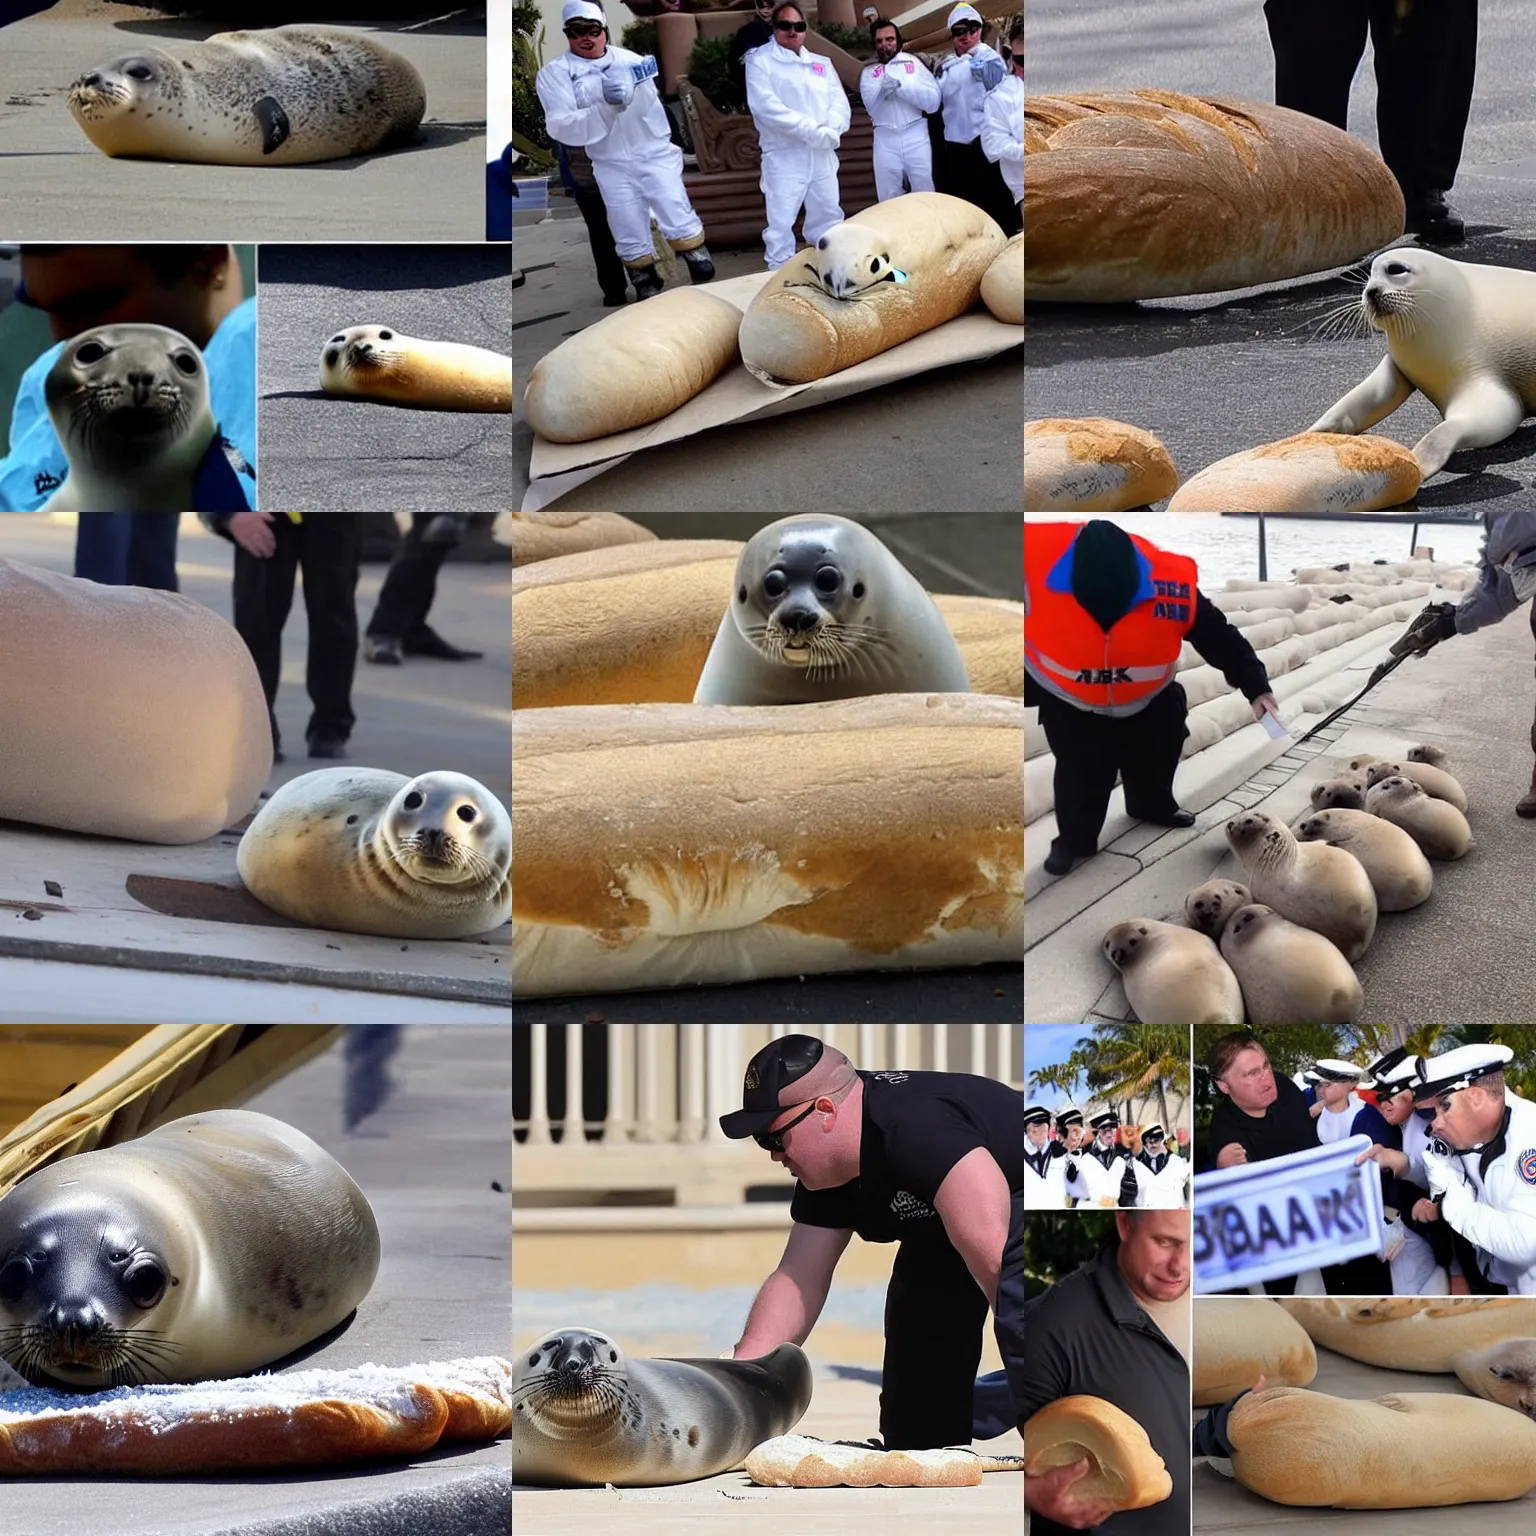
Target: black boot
1433,220
1062,857
701,267
382,650
1174,818
646,282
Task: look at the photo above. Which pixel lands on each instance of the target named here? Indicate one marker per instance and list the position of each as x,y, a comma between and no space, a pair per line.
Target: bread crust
1412,1333
545,535
1237,1340
1126,1471
1002,288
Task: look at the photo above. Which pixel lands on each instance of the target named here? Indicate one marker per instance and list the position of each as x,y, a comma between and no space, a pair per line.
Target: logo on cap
1528,1165
752,1079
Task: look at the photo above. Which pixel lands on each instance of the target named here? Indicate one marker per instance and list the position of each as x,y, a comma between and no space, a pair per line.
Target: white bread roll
1092,464
1310,472
634,624
543,535
1126,1471
1239,1339
1413,1333
1404,1450
1143,194
663,844
632,367
1002,289
803,1461
795,331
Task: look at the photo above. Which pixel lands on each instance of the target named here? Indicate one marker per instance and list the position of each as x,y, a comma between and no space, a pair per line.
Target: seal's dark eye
14,1275
466,813
335,340
1396,269
386,335
741,594
774,584
331,355
413,801
186,363
821,244
140,72
858,589
91,352
145,1283
351,821
874,263
613,1356
533,1359
828,579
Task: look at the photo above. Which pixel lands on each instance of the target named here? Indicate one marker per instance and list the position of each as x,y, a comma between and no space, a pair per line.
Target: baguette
660,844
1310,472
632,367
794,331
1413,1333
1404,1450
1002,289
1145,194
1093,464
544,535
1237,1340
1126,1471
634,624
256,1423
802,1461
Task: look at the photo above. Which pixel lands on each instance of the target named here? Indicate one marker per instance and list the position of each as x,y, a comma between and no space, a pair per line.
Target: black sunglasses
789,26
584,29
773,1141
965,29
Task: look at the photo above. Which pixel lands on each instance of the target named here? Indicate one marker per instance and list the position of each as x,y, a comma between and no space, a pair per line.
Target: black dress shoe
1173,818
382,650
1061,858
327,746
427,642
614,300
1434,221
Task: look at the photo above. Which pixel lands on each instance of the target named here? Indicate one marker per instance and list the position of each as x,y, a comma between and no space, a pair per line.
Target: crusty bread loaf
256,1423
661,844
634,624
1142,194
1310,472
1404,1450
794,331
1002,289
1413,1333
544,535
1092,464
803,1461
632,367
1126,1471
1239,1339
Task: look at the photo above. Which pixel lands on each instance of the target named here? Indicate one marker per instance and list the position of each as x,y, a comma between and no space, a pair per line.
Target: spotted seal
375,362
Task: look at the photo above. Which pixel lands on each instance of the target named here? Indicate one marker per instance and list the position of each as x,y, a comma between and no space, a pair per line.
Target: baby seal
1435,825
1433,781
1209,906
1346,793
1173,975
130,406
281,96
373,362
1506,1374
362,850
821,609
1399,873
1312,884
208,1248
1289,974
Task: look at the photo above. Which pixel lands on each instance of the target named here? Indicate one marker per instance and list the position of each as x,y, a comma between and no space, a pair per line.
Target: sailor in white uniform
1045,1163
1161,1174
1103,1168
1337,1102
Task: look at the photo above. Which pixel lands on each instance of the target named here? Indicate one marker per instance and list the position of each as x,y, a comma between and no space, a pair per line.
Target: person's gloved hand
829,138
1210,1434
1394,1237
889,85
1437,622
989,71
618,89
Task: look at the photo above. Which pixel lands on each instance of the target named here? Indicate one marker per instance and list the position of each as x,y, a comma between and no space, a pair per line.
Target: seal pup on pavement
279,96
1209,906
1344,793
1435,825
1505,1373
1399,873
1173,975
584,1413
1461,333
131,409
363,850
1433,781
821,609
1289,974
208,1248
374,362
1312,884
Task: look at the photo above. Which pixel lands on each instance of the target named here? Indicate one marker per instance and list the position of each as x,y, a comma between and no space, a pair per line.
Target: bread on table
1239,1339
1310,472
1125,1472
1404,1450
802,1461
1143,194
1412,1333
1002,289
632,367
1092,464
545,535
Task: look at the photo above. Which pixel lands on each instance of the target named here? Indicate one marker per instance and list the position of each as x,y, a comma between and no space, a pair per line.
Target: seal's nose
74,1324
141,381
94,78
800,620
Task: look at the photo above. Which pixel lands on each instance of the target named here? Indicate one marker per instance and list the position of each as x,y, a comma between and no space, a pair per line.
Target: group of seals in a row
1279,950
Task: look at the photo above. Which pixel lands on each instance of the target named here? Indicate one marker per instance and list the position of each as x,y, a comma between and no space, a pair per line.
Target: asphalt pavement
320,453
1215,374
54,181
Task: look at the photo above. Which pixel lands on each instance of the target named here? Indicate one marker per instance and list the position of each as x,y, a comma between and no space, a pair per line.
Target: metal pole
1413,538
1263,551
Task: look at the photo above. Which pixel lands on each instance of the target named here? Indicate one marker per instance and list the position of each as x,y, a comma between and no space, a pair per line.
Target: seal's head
357,354
1123,943
1337,794
572,1383
1209,906
1257,831
1508,1375
1394,788
1245,921
1406,287
1378,771
90,1282
447,829
852,261
115,102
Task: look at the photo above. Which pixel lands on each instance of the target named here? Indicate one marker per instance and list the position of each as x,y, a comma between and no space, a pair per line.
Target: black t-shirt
1286,1126
917,1126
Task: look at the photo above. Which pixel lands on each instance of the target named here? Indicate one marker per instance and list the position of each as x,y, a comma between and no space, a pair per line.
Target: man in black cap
1073,1133
930,1160
1161,1175
1045,1163
1104,1175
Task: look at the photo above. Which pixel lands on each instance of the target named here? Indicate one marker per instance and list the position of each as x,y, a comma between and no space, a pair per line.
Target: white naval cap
1390,1067
1458,1068
963,13
581,10
1148,1132
1330,1069
1068,1115
1106,1120
1036,1114
1309,1076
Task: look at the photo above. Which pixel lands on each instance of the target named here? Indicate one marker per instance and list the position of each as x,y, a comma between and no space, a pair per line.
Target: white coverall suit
801,111
638,168
1002,133
901,130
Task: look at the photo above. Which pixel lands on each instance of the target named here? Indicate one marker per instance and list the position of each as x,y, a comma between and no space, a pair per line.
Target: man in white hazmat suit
1002,119
897,91
604,99
966,78
801,112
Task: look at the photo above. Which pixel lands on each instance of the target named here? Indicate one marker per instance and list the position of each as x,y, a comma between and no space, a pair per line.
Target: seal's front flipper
276,130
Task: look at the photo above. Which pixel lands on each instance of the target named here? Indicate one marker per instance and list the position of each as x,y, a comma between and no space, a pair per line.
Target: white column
690,1071
616,1126
1006,1039
575,1120
978,1038
867,1049
538,1073
722,1078
648,1082
939,1035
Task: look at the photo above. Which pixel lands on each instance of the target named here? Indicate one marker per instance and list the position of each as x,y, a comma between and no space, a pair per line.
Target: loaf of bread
634,624
1404,1450
1002,289
1143,194
1239,1339
1092,464
1413,1333
632,367
1126,1471
795,331
1310,472
257,1423
803,1461
663,844
544,535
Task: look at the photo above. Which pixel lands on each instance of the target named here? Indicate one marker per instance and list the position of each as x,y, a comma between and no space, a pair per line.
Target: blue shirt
35,467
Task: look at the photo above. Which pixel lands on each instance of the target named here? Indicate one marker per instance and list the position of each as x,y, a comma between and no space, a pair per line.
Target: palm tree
1060,1075
1134,1062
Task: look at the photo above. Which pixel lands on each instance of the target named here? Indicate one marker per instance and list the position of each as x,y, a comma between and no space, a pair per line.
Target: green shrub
709,68
854,40
528,129
639,37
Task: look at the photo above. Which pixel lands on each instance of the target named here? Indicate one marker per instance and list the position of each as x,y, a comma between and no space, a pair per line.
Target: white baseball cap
581,10
963,13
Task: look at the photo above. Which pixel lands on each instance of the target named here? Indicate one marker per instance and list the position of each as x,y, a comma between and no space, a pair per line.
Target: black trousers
325,547
1091,749
611,276
1426,58
963,170
127,549
410,584
934,1314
